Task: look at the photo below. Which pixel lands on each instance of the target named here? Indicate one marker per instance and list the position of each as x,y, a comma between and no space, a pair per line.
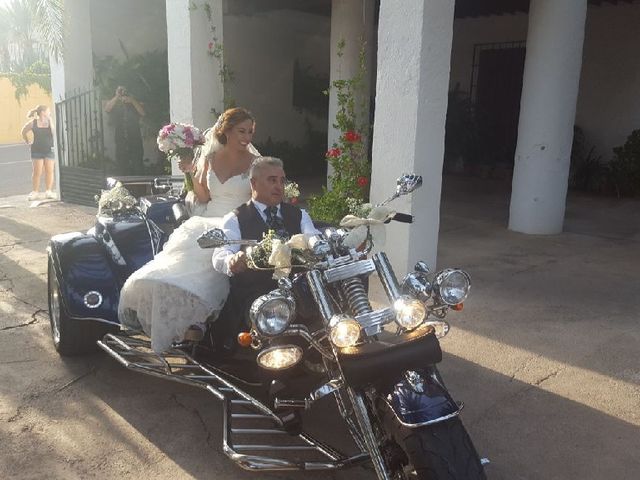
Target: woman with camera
125,111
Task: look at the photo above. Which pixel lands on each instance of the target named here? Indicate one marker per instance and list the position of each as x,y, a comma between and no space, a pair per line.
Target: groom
265,211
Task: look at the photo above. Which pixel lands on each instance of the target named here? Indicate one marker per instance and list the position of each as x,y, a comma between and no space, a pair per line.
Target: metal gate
80,141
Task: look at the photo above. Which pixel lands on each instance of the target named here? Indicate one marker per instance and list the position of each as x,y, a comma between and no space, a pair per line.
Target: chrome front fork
368,435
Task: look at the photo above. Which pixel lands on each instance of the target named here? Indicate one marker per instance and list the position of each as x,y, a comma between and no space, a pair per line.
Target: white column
351,23
414,52
547,114
195,85
75,70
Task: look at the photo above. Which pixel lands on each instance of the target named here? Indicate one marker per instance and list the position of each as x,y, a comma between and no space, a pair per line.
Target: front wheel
442,451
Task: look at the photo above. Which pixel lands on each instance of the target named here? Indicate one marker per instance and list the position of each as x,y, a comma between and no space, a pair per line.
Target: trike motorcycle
318,336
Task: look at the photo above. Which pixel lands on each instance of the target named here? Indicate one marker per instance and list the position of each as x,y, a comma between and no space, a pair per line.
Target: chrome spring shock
357,297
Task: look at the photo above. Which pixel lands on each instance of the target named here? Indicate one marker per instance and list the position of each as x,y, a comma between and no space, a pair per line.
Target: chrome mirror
215,238
406,184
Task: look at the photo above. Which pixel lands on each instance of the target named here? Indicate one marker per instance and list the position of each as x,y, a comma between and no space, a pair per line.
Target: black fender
420,398
81,265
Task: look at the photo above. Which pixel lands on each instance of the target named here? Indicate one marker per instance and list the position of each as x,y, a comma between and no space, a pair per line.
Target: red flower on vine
363,181
293,200
352,136
210,45
333,153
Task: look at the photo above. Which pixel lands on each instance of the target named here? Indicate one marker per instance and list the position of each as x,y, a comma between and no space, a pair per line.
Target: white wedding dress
179,287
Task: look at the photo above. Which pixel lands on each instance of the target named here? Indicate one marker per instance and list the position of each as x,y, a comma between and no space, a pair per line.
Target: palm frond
50,24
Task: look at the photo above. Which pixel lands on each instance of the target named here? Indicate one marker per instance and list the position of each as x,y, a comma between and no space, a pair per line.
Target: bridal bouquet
179,140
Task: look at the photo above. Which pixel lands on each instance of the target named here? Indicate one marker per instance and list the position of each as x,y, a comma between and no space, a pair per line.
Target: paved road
15,170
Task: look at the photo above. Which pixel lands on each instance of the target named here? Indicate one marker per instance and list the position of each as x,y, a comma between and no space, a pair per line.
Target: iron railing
81,152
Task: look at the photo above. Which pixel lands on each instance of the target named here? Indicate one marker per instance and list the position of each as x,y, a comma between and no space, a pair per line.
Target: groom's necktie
274,222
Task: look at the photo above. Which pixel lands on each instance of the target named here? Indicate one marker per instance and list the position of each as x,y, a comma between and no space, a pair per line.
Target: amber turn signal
244,339
457,307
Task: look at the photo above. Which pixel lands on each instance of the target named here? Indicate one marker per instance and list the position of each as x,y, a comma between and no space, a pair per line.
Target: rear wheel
442,451
71,337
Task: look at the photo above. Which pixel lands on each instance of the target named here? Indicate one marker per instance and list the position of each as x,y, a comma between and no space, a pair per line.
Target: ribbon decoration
280,256
361,228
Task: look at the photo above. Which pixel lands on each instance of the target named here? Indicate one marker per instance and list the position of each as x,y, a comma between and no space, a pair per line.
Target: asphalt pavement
15,170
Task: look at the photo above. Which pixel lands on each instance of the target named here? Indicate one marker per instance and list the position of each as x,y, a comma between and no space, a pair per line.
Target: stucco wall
609,98
140,25
14,113
608,102
260,50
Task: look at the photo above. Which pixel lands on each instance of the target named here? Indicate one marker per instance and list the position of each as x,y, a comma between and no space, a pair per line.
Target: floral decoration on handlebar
279,254
115,200
178,140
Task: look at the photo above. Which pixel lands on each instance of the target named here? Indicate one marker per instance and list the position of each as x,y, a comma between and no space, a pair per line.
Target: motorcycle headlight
272,313
416,285
410,312
452,286
344,331
279,358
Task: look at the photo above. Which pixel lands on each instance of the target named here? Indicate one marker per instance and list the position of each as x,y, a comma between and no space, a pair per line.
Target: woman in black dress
41,151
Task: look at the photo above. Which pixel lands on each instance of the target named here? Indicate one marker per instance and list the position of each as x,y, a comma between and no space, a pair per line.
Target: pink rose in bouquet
179,140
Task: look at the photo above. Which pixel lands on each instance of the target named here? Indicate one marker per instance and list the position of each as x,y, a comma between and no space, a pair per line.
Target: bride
171,297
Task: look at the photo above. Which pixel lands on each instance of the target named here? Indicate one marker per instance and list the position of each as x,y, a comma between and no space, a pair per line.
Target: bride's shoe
194,333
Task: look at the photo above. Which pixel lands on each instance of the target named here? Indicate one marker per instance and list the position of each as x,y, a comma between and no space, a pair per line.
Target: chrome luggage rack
244,417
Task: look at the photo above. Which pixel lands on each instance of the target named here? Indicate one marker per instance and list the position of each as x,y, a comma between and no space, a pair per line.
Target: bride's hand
185,165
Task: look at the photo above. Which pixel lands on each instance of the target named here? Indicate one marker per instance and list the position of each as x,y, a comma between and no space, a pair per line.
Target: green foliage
260,253
50,25
625,166
215,49
36,74
348,157
587,171
29,31
145,76
621,176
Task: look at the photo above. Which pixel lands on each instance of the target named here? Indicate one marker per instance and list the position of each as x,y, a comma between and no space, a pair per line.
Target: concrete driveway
545,356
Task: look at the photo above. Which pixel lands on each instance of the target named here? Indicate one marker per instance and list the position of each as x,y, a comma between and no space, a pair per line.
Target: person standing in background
125,113
41,151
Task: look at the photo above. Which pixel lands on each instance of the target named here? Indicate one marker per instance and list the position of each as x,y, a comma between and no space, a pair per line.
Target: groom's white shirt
231,228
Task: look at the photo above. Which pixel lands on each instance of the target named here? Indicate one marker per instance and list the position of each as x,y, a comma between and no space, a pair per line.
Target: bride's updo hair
229,119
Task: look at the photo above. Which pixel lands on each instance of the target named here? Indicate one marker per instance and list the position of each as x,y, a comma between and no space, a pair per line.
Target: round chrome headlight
279,358
272,313
452,286
92,299
344,331
410,312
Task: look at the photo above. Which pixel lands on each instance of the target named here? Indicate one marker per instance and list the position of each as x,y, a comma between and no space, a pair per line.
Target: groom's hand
238,263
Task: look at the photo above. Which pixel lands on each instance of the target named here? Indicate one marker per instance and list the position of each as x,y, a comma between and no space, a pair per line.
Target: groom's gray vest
252,226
